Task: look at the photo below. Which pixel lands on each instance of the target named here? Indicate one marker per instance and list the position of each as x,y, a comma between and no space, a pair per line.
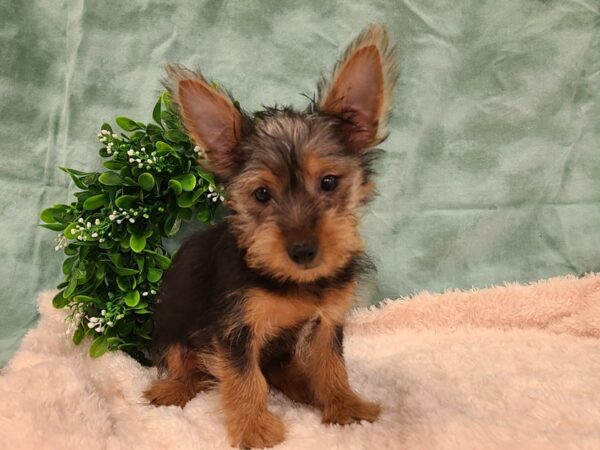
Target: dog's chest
267,313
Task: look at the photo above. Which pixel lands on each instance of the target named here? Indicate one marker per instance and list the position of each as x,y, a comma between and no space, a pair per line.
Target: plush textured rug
507,367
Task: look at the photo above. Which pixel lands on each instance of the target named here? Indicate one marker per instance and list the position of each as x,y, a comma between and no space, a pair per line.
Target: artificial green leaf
110,179
163,148
47,215
188,182
59,301
137,135
69,250
100,270
137,242
78,336
107,127
172,224
185,200
163,261
156,111
123,283
54,226
75,174
69,231
67,266
90,179
140,262
124,271
106,244
175,186
126,123
83,299
204,215
154,274
146,181
126,201
152,129
95,202
116,259
114,165
132,298
175,136
70,287
98,347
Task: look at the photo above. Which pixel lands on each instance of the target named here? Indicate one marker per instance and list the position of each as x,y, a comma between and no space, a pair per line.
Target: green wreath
113,232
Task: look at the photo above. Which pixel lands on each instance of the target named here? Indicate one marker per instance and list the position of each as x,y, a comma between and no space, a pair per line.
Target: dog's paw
169,392
264,430
350,411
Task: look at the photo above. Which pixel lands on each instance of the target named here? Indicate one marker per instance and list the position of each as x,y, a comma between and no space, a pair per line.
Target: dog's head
296,181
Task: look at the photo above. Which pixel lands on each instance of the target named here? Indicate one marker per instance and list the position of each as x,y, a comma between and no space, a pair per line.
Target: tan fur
268,313
288,154
317,366
329,382
338,237
216,127
373,38
292,380
244,400
186,377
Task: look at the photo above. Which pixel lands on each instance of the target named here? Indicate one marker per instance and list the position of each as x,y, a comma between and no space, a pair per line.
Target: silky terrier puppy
259,300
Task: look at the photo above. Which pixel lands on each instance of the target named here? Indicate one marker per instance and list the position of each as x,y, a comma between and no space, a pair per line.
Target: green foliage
112,233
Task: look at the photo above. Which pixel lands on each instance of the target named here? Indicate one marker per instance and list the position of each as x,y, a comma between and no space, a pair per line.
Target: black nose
302,253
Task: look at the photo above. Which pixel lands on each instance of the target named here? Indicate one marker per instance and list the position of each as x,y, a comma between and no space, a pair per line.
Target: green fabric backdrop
493,165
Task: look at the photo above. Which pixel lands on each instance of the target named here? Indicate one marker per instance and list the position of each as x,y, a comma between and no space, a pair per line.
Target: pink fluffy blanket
508,367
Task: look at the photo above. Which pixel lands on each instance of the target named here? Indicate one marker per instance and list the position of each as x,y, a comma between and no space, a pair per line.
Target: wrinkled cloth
502,368
492,171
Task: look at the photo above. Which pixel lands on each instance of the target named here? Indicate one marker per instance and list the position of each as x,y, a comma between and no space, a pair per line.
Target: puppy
260,299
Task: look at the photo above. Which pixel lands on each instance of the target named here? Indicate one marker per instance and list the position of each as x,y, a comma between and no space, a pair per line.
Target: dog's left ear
211,118
361,87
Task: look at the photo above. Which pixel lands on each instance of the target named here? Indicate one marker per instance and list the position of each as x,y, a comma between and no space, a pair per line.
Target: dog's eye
262,195
329,183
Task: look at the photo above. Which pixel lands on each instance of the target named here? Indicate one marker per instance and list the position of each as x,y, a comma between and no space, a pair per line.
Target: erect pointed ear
211,118
361,87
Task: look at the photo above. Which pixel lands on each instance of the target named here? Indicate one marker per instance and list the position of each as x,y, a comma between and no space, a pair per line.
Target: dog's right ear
211,118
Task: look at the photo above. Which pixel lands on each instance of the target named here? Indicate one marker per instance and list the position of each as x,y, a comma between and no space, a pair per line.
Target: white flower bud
132,220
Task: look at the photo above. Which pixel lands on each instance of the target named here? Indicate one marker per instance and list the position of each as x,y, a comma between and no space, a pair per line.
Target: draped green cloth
492,172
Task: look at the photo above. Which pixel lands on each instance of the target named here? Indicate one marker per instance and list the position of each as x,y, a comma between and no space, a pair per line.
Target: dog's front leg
244,393
329,380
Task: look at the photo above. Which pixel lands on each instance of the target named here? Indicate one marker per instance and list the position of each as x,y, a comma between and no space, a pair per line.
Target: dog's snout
302,253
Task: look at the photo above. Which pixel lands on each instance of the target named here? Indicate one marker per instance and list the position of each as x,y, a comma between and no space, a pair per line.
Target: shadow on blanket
507,367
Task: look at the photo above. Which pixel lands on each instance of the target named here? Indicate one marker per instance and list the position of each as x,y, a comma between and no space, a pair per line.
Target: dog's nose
302,253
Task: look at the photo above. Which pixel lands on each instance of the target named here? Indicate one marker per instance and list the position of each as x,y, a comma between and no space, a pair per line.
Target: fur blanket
507,367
